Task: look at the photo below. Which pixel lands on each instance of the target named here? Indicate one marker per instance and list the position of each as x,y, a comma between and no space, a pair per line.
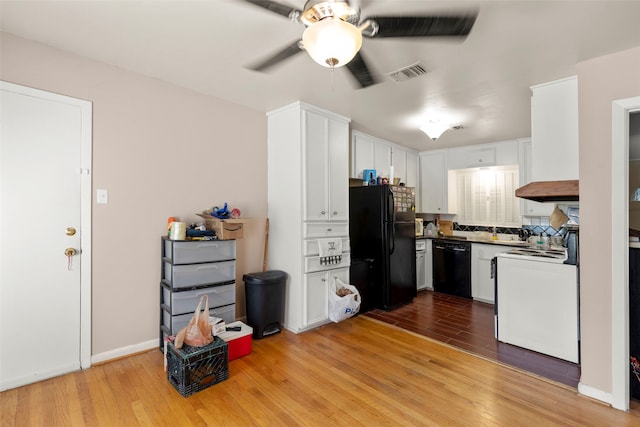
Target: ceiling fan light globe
332,42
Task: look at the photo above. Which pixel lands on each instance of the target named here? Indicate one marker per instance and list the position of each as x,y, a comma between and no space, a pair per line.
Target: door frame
621,109
85,172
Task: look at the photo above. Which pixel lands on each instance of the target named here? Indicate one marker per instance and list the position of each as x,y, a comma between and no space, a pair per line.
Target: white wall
601,81
161,151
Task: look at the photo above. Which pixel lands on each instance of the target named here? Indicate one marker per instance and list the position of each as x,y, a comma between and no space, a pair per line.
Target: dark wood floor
468,325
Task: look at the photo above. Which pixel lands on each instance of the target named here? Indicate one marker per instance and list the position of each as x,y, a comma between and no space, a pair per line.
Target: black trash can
264,294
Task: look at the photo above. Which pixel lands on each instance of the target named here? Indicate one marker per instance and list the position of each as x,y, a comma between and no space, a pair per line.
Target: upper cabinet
554,130
529,207
388,159
475,156
326,154
368,152
434,182
472,156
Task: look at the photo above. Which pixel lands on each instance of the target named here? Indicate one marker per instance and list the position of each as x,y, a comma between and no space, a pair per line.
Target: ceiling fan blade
278,57
273,6
419,26
358,68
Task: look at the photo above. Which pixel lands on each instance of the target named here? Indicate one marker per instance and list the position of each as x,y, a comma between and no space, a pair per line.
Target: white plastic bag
341,308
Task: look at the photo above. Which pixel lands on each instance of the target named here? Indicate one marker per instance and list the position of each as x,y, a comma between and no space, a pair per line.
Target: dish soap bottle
494,235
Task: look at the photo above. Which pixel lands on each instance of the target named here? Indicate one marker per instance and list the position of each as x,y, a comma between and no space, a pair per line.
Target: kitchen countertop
511,243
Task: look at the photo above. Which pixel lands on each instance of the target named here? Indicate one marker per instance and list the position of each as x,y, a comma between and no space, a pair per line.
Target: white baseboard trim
124,351
595,393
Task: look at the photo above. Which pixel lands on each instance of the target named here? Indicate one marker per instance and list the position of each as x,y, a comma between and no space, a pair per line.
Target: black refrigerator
382,233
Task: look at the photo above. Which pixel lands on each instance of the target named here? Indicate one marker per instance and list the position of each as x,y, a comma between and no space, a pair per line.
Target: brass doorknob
71,231
70,252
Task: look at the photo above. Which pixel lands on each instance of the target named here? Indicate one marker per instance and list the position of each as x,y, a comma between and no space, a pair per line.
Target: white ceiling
482,83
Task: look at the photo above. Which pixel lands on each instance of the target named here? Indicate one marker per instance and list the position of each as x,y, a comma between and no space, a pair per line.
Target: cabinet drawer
173,324
184,276
326,229
187,301
312,263
181,252
311,246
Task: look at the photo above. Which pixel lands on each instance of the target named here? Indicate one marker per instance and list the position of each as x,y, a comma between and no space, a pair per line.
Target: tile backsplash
534,229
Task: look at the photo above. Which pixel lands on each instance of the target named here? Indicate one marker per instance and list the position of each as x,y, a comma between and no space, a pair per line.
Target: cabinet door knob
322,212
335,212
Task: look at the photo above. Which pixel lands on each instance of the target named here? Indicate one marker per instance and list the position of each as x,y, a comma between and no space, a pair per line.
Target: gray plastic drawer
175,323
181,252
184,276
187,301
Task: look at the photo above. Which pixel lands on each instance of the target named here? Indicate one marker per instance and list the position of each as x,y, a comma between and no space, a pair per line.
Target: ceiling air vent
407,73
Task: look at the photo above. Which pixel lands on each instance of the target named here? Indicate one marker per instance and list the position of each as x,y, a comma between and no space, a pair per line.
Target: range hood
550,191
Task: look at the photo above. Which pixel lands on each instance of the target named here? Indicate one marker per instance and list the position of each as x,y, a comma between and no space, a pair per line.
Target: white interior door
45,198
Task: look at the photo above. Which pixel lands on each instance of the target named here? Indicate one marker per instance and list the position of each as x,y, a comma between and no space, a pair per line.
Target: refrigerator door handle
391,213
392,228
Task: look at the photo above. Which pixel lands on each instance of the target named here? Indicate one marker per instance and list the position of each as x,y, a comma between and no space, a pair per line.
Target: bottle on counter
494,235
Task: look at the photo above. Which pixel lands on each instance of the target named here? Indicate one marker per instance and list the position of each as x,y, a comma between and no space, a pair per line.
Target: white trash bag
344,300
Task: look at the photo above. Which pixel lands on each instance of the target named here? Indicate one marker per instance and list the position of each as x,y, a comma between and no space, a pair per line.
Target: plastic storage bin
186,301
265,301
189,275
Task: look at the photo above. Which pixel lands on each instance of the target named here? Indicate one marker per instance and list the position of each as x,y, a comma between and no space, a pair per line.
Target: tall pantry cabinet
308,202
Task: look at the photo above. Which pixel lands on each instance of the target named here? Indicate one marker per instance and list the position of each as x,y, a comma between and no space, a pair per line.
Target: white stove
553,255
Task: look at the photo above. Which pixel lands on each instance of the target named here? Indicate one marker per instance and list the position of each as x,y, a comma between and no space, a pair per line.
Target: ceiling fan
334,31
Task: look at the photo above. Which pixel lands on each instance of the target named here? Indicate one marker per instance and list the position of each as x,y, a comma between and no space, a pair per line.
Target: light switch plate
102,196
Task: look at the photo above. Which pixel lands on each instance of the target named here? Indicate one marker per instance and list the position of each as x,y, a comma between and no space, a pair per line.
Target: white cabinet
472,157
482,284
368,152
421,264
307,174
554,130
529,207
434,182
325,168
507,153
316,295
411,179
429,264
399,163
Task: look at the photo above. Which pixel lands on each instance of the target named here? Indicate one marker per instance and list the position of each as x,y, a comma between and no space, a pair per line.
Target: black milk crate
191,369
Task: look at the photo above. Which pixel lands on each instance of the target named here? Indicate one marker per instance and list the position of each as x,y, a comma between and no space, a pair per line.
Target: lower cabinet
316,294
482,284
429,264
421,264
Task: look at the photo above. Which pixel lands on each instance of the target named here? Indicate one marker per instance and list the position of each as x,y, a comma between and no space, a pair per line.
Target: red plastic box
239,342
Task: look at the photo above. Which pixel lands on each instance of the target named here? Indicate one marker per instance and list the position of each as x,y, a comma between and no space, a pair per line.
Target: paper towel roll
178,230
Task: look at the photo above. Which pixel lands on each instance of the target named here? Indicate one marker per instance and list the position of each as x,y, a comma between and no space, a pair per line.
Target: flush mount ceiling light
332,42
435,128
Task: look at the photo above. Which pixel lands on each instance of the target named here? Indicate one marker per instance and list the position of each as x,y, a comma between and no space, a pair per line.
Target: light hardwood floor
358,372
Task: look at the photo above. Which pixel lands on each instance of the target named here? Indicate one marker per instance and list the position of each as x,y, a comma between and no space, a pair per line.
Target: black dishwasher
452,267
